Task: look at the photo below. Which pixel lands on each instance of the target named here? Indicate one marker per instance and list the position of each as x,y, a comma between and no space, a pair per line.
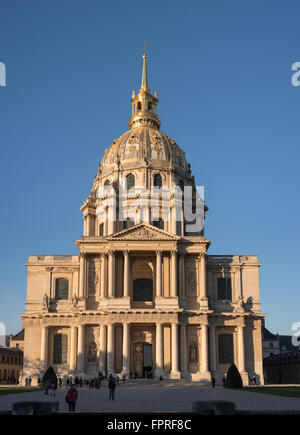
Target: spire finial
144,45
144,75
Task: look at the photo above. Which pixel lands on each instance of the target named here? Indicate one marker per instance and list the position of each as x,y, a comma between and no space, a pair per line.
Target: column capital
174,253
158,252
125,251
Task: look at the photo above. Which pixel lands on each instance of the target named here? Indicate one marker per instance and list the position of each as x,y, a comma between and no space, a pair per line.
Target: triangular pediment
143,232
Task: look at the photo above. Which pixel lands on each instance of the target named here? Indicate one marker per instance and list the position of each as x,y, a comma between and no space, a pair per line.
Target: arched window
106,186
181,185
130,181
142,290
139,106
61,289
157,180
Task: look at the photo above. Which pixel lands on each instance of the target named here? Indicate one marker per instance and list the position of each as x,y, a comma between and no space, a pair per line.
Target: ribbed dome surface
145,142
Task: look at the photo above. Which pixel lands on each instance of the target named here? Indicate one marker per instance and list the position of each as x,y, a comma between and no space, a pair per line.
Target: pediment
143,232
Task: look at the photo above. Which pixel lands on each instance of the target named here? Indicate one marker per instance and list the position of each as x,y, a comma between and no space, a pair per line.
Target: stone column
202,281
80,349
212,348
126,349
82,276
174,292
204,350
110,348
126,273
84,226
159,350
237,284
111,274
181,275
44,348
103,275
102,354
241,350
174,370
73,348
158,274
183,349
88,225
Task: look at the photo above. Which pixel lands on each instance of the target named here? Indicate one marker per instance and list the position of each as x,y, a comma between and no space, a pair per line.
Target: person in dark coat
71,398
213,382
111,387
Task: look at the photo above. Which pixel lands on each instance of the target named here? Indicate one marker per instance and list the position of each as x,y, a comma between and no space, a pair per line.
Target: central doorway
143,363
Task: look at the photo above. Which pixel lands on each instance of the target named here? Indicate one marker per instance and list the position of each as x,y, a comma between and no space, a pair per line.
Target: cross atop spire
144,45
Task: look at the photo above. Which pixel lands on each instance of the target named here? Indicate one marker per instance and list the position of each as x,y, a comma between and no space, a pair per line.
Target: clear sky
222,70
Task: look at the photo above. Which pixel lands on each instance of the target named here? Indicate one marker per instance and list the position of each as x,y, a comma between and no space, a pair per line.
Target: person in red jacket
71,398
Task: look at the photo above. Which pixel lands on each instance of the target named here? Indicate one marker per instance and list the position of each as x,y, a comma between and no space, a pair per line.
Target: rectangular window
60,349
101,230
224,289
225,347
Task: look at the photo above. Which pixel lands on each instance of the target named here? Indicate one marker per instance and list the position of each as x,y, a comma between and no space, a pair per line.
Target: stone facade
142,295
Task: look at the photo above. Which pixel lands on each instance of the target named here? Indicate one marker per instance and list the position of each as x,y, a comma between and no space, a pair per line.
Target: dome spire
144,74
144,104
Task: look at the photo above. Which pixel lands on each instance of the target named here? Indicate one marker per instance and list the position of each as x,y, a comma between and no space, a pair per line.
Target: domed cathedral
143,298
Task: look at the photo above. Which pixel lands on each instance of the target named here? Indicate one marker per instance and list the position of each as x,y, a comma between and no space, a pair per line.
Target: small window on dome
150,107
139,106
130,181
157,180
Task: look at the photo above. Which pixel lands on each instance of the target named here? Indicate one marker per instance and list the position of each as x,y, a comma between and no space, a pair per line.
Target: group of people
28,382
72,394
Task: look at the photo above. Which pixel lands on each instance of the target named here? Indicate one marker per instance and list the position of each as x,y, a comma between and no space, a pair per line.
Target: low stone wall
219,407
34,408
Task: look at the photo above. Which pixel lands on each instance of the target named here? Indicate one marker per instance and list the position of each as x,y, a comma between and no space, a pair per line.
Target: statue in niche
193,353
45,302
74,300
92,353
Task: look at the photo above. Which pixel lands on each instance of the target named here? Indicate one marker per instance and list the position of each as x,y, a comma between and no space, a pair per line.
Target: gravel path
143,396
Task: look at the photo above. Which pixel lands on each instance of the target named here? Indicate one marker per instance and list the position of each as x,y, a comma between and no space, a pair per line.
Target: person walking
60,382
53,388
47,386
111,387
213,382
71,398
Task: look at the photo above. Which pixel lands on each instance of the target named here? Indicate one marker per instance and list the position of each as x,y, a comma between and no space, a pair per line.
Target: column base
175,375
204,304
245,378
204,377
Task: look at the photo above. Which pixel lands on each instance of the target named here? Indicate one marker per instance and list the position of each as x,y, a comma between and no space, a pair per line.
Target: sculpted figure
45,302
75,300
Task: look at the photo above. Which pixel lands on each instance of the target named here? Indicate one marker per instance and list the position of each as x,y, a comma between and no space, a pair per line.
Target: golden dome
148,144
144,141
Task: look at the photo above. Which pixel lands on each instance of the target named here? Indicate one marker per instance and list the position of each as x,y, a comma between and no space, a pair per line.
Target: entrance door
143,360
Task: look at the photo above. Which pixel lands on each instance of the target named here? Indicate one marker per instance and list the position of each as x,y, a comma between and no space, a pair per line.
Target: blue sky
223,75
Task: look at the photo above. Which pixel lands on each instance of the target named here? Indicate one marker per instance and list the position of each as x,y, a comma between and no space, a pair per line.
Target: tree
233,378
49,375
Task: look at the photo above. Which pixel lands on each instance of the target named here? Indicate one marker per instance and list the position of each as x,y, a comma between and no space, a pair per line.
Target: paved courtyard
151,396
